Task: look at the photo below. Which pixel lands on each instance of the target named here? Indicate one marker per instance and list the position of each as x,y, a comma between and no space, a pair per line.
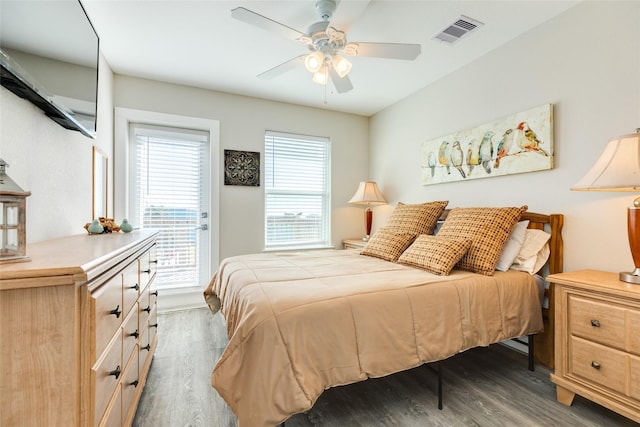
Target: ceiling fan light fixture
321,76
341,65
314,61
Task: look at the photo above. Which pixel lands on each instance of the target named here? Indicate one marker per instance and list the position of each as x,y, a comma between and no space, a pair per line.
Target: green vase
126,227
95,227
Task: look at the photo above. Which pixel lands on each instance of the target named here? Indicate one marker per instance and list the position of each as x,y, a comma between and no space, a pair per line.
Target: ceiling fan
327,44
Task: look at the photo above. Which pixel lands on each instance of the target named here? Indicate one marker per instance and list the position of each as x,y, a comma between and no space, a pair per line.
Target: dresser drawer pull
116,372
147,347
134,334
148,271
148,309
155,325
154,293
134,383
154,261
595,323
116,311
136,287
595,365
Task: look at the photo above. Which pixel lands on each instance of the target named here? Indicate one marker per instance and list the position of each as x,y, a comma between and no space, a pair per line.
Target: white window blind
297,196
167,193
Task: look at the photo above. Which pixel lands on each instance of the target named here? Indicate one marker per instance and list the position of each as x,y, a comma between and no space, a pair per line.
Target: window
169,192
297,197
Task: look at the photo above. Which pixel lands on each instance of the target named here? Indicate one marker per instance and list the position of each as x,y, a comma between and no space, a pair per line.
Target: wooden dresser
597,340
78,330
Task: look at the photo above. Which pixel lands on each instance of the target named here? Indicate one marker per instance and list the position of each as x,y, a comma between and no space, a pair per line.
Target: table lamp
367,194
618,169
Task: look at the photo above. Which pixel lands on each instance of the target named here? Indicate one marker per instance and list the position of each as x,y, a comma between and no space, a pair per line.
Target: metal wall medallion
242,168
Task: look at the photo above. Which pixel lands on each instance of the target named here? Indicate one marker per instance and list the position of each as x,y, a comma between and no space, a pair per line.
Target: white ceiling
198,43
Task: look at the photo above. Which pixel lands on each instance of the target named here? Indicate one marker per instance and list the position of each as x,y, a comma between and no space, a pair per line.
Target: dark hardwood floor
482,387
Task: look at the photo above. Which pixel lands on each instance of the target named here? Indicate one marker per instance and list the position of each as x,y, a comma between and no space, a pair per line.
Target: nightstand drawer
634,327
634,379
598,364
597,321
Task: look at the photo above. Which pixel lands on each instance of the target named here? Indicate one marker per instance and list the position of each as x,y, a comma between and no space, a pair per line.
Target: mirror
100,183
49,55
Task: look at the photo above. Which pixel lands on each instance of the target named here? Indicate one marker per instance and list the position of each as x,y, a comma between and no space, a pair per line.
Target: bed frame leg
440,385
531,363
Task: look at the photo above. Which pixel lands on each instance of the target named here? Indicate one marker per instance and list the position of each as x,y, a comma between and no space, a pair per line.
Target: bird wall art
519,143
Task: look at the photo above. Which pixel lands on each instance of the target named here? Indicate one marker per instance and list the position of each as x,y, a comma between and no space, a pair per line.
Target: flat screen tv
49,56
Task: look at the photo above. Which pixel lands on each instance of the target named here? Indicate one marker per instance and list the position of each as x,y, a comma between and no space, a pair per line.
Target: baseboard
180,299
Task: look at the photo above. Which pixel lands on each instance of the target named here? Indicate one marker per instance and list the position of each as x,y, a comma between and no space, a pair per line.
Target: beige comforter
299,323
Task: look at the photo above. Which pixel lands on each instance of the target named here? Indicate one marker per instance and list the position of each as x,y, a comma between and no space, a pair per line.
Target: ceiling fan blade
384,50
347,12
249,17
282,68
342,84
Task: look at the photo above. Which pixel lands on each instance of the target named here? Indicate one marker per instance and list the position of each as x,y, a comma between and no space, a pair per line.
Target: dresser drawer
106,312
148,264
152,329
597,321
113,414
130,386
131,286
598,364
105,375
130,332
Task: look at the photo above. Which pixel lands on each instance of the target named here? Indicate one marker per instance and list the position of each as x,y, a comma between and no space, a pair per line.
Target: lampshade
320,76
617,169
367,194
341,65
314,61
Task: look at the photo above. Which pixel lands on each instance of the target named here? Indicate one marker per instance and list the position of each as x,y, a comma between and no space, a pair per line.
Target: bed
299,323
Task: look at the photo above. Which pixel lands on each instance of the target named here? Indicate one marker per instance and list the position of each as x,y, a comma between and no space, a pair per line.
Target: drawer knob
134,334
148,309
155,325
134,383
595,365
116,311
595,323
148,271
116,372
136,287
154,261
147,347
155,292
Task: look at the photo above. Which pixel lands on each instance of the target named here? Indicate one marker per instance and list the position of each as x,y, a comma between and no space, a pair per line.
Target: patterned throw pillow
435,254
417,219
387,244
487,228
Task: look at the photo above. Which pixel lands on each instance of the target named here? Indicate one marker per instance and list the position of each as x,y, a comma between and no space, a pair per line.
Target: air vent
460,28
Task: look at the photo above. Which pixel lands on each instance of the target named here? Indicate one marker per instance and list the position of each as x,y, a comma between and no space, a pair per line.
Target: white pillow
533,253
512,247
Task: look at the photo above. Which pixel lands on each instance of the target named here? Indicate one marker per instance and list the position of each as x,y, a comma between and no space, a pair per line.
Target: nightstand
353,243
597,344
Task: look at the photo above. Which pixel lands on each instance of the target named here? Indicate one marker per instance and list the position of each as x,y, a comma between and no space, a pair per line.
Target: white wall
587,63
54,163
243,121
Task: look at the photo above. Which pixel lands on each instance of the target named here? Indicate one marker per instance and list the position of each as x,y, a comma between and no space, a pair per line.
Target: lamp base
633,277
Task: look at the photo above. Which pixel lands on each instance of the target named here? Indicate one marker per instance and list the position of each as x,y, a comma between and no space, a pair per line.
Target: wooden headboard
552,224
